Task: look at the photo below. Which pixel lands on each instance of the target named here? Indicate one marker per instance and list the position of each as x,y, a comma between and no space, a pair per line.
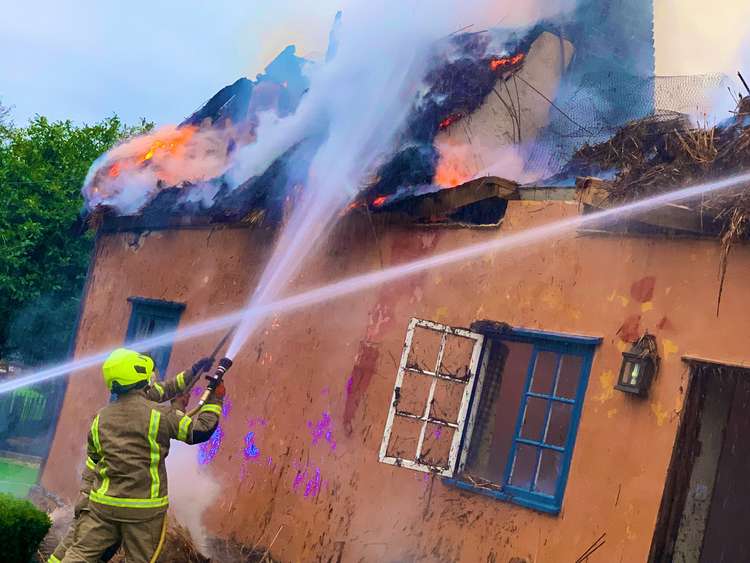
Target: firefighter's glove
220,391
204,364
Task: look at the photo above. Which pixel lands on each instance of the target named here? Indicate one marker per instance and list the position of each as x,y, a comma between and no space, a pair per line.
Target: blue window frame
150,317
529,464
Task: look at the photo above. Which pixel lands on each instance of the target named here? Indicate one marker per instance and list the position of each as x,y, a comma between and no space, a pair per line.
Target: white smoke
191,491
175,155
359,100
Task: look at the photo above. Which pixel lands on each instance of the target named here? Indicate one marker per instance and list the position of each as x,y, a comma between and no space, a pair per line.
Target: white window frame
459,427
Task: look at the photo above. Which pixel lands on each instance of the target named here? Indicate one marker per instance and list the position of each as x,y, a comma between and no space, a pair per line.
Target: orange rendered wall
339,359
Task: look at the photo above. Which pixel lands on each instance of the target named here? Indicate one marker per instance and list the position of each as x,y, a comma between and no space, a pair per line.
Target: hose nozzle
215,379
213,382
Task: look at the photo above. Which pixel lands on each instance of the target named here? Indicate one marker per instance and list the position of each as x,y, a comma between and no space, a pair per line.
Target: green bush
22,528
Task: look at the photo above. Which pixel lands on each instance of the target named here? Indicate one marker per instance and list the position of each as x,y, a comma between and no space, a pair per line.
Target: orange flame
506,61
172,142
453,167
352,206
168,156
450,120
380,200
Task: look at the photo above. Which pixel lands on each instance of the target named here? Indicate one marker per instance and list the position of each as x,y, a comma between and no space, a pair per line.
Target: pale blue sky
87,59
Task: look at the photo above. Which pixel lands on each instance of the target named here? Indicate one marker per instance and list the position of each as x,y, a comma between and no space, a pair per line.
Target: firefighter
177,392
125,475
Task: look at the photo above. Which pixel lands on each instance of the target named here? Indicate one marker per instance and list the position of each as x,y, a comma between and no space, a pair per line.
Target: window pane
570,375
446,403
549,472
142,326
497,411
534,418
543,378
457,356
149,320
415,389
559,423
425,345
524,466
404,438
437,445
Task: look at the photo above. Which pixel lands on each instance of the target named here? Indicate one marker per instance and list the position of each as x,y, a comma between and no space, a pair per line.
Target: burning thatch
664,153
156,170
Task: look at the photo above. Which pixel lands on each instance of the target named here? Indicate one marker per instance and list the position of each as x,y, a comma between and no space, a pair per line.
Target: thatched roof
664,153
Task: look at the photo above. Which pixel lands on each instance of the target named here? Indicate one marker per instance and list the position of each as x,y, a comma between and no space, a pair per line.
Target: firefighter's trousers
70,538
141,541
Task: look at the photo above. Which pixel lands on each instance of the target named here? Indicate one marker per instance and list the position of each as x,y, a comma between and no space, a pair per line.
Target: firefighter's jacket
127,446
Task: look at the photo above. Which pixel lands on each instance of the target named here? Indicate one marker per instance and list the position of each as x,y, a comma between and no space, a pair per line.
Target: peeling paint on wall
668,348
606,385
362,372
621,298
643,289
441,314
665,324
630,330
660,412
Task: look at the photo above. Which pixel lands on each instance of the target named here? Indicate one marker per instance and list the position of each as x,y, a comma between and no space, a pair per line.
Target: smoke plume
358,101
191,491
133,172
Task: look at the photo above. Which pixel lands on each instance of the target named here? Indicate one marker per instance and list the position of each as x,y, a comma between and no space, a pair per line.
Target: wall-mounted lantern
639,366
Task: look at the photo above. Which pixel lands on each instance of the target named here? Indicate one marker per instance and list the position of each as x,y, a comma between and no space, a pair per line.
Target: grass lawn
16,477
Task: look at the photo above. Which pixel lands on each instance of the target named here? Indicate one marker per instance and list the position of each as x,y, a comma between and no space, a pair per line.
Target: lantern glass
635,374
638,367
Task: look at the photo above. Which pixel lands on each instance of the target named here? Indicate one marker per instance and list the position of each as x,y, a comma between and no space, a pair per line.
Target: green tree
44,246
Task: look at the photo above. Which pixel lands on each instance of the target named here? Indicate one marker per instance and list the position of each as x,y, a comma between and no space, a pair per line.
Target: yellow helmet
126,367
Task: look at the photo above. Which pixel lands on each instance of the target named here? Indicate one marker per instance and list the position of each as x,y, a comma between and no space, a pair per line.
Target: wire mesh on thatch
649,154
664,152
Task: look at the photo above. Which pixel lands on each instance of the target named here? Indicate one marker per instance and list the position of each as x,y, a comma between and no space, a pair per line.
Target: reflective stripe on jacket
162,391
159,392
127,446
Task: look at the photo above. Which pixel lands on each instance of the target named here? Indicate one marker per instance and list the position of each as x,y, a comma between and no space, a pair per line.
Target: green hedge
22,528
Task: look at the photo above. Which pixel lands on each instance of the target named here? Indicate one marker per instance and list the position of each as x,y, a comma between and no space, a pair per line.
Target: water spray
213,355
371,279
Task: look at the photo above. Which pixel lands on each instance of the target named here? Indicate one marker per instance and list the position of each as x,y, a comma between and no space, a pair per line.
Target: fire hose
213,380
